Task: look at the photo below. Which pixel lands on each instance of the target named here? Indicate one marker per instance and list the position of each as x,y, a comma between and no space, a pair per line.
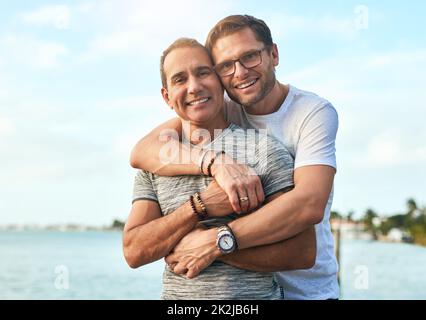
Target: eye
226,65
204,72
249,56
178,80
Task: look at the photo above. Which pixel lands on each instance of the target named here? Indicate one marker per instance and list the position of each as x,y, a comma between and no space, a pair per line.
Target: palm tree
412,206
368,221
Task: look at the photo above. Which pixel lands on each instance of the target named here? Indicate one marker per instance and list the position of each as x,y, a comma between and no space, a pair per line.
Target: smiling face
246,86
193,88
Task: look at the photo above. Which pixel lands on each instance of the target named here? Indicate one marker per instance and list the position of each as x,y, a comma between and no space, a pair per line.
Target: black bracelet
209,167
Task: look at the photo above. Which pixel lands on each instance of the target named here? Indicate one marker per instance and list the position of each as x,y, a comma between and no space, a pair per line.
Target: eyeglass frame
259,52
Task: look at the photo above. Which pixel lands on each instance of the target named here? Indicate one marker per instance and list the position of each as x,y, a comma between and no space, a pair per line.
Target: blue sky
79,84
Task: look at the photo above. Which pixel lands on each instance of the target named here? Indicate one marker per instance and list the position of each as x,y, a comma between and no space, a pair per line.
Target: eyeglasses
248,60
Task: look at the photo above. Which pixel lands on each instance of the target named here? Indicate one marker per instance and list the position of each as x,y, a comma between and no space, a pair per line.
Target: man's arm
290,213
197,250
162,153
298,252
295,253
148,236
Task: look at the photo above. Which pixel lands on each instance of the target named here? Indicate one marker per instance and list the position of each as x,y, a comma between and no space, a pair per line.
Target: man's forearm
290,213
278,220
151,241
295,253
161,152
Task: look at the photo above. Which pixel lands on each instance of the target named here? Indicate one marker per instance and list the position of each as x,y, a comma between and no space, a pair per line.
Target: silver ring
244,199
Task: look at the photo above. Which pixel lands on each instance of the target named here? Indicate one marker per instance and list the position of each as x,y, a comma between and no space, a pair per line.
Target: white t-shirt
307,125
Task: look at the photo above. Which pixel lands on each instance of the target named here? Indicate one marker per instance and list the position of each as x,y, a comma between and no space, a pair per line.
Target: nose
240,70
194,85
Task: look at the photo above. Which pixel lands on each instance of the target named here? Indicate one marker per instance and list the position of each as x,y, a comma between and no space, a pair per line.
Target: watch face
226,242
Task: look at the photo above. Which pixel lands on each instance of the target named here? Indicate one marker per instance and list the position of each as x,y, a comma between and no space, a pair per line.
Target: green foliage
412,221
117,224
397,221
335,215
369,222
418,232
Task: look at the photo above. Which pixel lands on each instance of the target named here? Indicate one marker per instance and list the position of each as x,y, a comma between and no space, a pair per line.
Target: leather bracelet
209,167
203,214
194,208
191,202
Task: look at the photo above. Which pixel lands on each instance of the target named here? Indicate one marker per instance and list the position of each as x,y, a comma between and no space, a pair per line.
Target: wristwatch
225,240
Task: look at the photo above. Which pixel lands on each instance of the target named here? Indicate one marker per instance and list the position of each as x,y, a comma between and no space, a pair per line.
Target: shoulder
143,178
306,102
308,108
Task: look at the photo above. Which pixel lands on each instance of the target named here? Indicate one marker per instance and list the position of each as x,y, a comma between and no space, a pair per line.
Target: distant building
350,229
398,235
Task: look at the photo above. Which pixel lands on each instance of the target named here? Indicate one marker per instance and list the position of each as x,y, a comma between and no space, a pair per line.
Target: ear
275,55
165,95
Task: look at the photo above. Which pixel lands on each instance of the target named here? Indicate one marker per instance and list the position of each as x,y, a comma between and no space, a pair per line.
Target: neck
203,132
271,103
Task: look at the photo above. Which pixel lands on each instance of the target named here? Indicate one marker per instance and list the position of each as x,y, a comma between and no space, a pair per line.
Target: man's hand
195,252
240,183
216,200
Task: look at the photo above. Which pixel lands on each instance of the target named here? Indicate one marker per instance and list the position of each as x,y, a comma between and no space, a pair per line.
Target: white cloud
47,54
32,52
57,16
116,43
398,58
124,142
148,27
390,149
7,127
285,26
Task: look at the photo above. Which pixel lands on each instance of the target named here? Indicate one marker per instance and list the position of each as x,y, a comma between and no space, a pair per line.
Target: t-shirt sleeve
317,140
276,173
143,188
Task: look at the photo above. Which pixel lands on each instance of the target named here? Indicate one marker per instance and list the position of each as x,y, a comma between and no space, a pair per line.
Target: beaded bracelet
209,167
203,214
192,203
194,209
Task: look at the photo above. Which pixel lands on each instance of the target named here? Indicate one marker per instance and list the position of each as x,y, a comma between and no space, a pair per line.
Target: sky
80,84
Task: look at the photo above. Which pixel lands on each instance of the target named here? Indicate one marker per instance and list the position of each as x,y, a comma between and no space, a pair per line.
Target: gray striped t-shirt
274,165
